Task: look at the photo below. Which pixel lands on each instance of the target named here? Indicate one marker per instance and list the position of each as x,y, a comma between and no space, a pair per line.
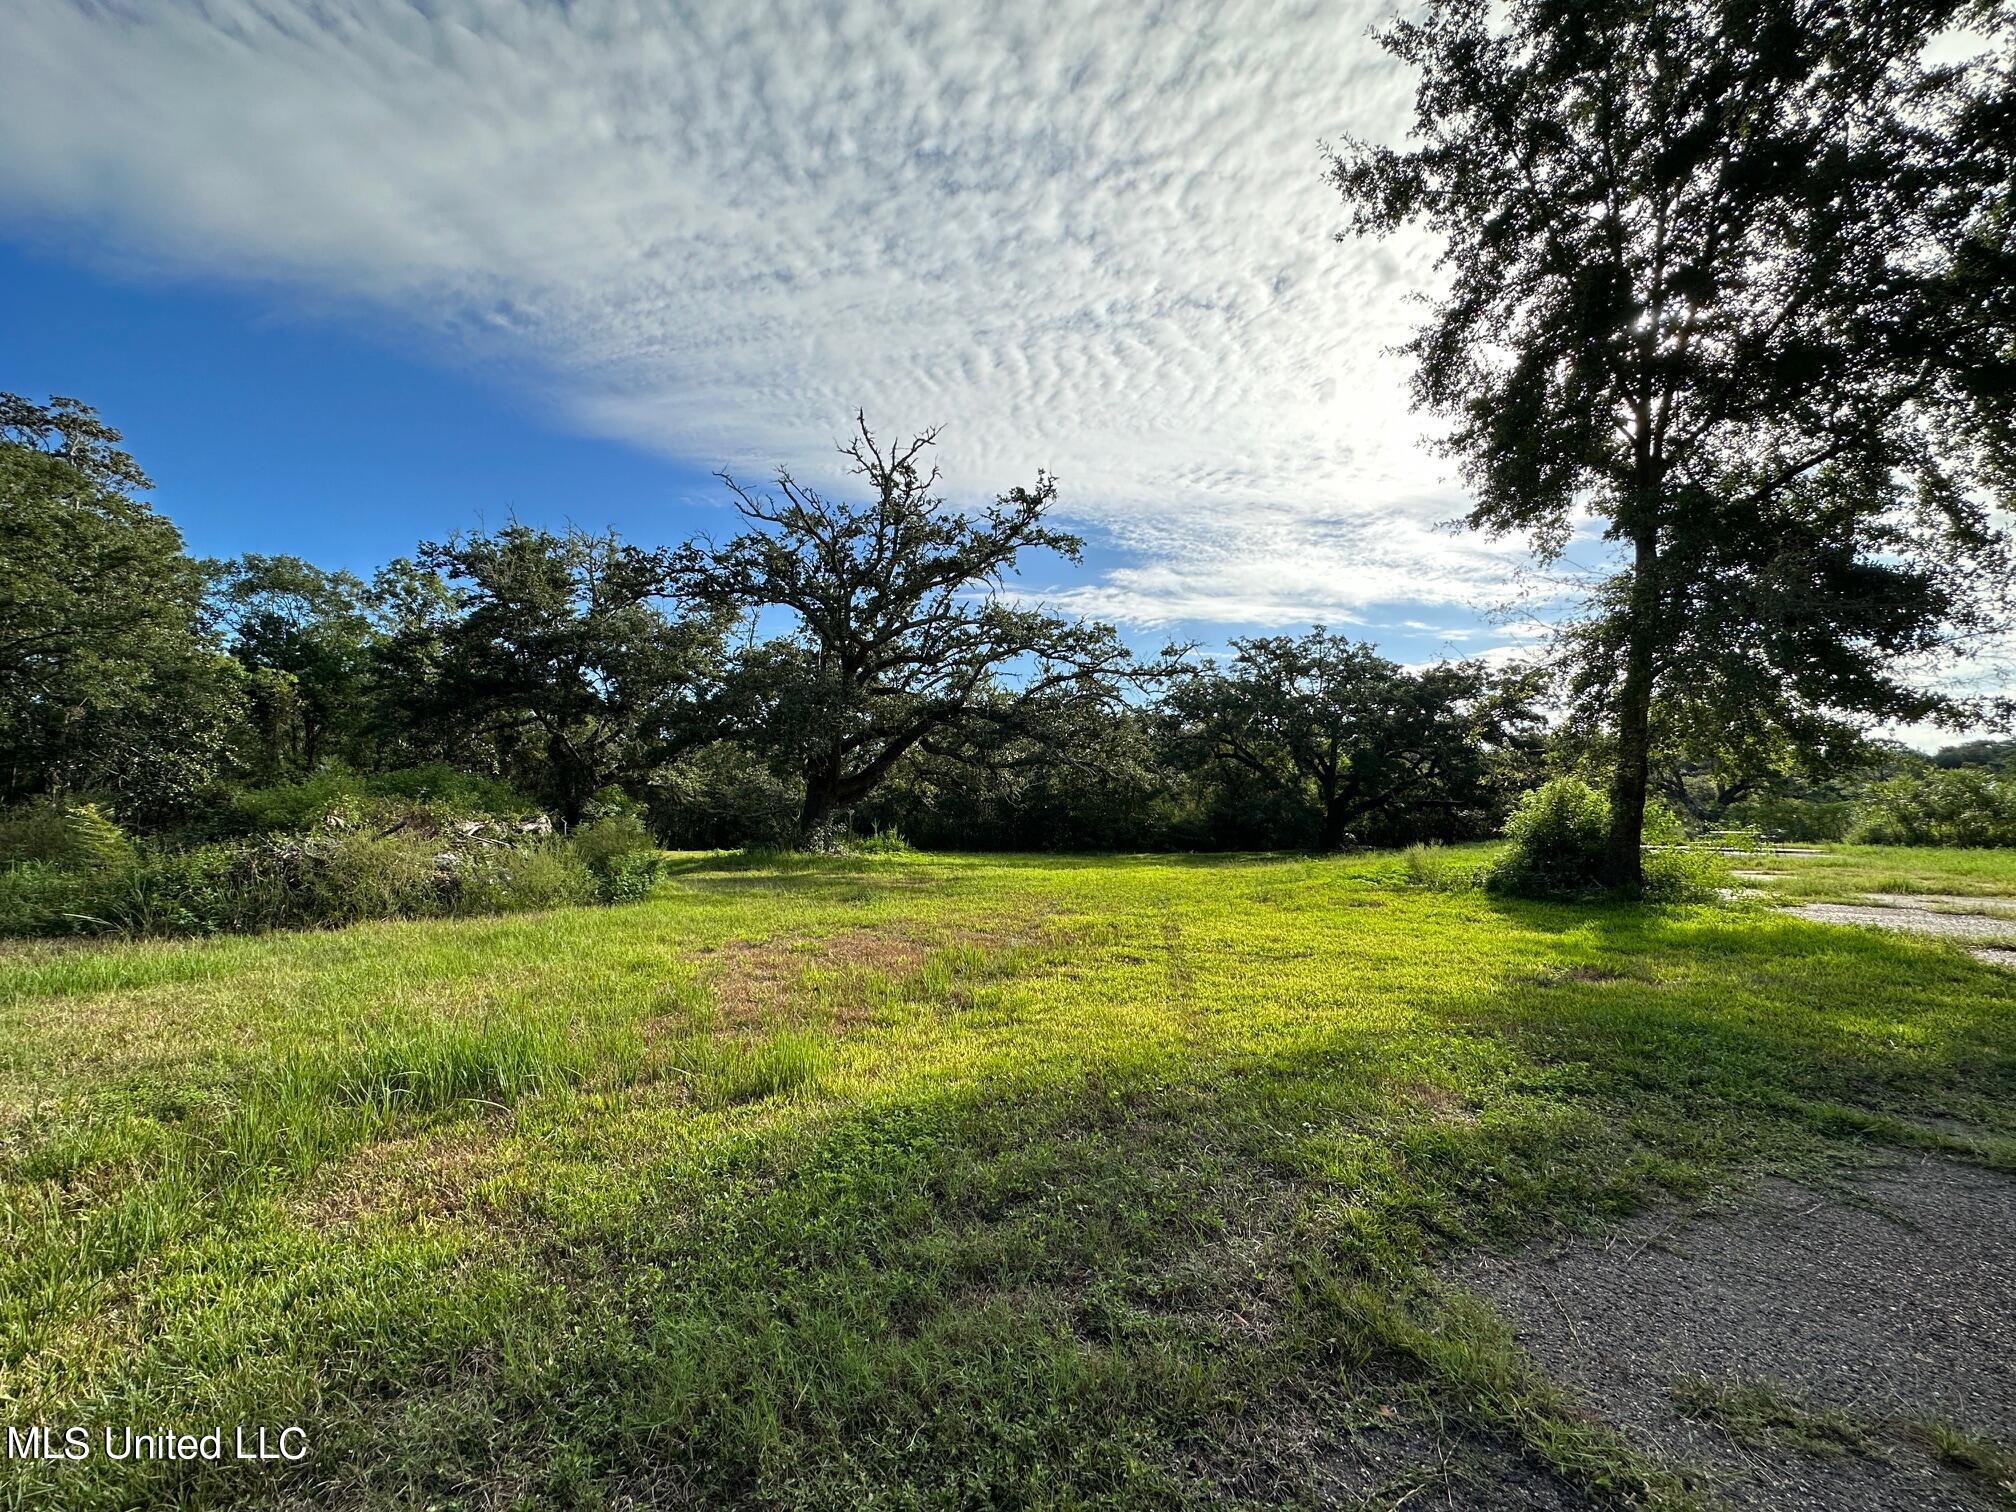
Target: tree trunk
573,805
1623,861
572,785
820,796
1334,816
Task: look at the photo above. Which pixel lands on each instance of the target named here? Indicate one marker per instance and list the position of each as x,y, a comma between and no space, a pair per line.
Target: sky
354,273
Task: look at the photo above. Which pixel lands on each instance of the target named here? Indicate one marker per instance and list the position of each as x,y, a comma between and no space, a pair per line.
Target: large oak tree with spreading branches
902,640
1359,735
1735,277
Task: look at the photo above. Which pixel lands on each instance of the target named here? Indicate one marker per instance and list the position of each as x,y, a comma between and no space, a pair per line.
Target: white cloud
1094,237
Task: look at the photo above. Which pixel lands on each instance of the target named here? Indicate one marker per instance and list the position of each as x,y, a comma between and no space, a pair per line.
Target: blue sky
351,273
360,271
269,428
275,431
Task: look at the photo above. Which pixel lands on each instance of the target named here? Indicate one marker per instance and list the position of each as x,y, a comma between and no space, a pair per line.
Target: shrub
882,841
1556,837
276,882
606,840
1967,807
628,878
508,878
619,854
722,797
1662,825
63,834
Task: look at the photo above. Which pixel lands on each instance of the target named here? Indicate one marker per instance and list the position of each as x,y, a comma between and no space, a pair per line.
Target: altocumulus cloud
1094,237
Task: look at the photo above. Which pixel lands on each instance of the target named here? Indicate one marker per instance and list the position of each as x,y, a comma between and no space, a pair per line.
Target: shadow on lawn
1084,1279
1110,1283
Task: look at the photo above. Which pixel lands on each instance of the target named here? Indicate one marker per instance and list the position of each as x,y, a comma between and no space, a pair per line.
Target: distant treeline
584,677
591,674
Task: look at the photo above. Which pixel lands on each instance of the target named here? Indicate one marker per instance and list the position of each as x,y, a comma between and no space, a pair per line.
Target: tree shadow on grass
1071,1278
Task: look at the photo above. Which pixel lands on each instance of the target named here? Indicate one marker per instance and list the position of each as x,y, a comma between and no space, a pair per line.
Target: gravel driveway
1915,918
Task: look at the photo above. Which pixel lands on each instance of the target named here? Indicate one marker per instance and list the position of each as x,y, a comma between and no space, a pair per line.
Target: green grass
904,1180
1842,873
1763,1415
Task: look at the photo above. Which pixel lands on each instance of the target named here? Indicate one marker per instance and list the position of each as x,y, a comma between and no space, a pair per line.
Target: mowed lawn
905,1181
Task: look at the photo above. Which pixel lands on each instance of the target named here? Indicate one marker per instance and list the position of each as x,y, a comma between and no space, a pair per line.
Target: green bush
1556,837
276,883
628,878
345,879
881,841
605,840
721,797
63,834
620,856
1967,807
40,898
1662,825
505,879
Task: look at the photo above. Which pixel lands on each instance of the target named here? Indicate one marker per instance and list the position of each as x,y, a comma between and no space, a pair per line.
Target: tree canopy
565,654
1738,279
902,640
109,679
1361,734
306,639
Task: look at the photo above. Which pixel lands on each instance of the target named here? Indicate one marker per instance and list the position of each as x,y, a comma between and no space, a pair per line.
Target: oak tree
1362,736
1735,277
901,639
566,654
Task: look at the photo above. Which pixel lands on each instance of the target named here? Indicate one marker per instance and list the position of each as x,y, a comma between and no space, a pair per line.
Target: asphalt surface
1894,1300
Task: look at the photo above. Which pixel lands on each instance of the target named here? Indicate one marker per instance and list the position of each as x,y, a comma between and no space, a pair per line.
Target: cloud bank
1093,237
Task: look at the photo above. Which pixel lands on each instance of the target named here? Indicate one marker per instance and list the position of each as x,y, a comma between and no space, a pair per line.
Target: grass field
1842,873
907,1181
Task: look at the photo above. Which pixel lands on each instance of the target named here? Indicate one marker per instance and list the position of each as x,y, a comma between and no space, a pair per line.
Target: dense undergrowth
332,851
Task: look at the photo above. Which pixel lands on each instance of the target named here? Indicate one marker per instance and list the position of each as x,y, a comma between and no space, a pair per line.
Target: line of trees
1733,283
907,690
906,693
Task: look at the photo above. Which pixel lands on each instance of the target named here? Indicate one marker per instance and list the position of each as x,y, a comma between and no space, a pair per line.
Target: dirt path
1950,916
1912,920
1798,1344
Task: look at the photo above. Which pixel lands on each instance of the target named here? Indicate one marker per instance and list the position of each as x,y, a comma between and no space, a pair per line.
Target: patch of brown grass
1561,976
837,982
422,1178
1444,1104
762,985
